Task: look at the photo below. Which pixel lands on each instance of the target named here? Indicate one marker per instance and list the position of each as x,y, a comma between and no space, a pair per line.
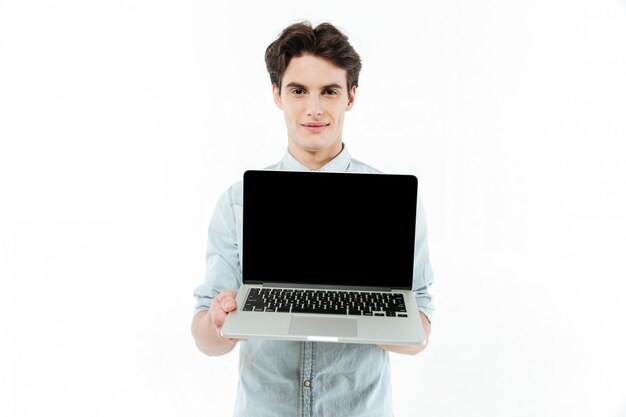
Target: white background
122,121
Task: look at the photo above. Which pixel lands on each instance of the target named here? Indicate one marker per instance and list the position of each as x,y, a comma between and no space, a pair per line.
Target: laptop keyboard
357,303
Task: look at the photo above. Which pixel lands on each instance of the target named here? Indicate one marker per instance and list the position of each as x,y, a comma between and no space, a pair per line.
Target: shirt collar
338,164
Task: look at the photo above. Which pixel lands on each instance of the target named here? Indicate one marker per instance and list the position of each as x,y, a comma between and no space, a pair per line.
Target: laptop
327,257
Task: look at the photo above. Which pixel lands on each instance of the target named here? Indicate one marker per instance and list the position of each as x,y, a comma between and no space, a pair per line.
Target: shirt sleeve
223,266
422,270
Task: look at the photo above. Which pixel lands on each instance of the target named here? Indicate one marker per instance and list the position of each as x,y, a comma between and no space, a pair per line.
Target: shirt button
307,383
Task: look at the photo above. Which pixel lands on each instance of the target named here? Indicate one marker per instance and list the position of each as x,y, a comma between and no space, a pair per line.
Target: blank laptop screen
322,228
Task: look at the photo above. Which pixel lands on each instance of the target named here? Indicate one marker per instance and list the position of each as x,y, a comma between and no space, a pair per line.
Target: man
314,74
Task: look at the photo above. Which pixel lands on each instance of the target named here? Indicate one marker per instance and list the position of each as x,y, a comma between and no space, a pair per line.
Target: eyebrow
325,87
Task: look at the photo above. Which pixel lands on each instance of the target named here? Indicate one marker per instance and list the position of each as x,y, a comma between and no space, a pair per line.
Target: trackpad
322,326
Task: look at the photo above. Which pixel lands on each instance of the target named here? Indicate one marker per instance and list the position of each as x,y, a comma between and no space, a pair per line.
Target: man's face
314,98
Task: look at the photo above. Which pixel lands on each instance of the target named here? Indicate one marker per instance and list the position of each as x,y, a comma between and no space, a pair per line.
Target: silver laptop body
327,257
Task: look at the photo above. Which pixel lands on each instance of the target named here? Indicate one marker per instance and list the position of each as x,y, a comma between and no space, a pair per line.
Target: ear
351,98
276,94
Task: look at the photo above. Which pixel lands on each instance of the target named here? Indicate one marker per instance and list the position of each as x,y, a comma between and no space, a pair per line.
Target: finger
229,304
221,305
227,300
221,299
218,318
218,315
227,294
215,306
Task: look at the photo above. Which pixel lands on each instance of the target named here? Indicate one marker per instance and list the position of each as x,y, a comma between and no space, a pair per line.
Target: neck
313,159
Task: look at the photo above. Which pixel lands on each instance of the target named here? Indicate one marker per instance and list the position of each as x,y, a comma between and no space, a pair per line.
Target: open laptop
327,257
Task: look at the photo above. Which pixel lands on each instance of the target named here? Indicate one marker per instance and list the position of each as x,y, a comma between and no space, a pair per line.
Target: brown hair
324,40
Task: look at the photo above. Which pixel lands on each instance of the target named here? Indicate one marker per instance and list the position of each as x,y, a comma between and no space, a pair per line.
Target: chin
316,147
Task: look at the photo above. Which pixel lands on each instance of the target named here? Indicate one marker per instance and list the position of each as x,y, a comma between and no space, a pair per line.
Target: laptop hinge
323,287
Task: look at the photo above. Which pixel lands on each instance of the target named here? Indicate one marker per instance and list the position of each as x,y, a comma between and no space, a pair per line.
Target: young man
314,73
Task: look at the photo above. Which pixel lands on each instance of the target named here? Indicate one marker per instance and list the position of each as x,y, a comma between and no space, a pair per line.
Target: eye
331,92
297,91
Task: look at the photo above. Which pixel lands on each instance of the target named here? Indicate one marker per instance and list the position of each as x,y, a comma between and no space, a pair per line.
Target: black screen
327,228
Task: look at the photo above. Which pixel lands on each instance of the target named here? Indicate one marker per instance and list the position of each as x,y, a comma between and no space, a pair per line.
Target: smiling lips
315,127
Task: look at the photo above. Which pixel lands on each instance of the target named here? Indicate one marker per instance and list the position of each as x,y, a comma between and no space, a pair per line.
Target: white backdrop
122,121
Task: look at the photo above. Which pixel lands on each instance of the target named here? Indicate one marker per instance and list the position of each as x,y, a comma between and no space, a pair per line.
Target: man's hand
221,305
411,350
206,327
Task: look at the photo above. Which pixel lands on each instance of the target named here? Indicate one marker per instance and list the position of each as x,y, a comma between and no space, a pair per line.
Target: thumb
230,305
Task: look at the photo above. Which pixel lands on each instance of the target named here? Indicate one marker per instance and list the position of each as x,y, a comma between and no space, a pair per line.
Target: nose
314,106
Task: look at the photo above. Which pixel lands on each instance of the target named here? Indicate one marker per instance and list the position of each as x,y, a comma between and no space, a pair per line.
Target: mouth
315,127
